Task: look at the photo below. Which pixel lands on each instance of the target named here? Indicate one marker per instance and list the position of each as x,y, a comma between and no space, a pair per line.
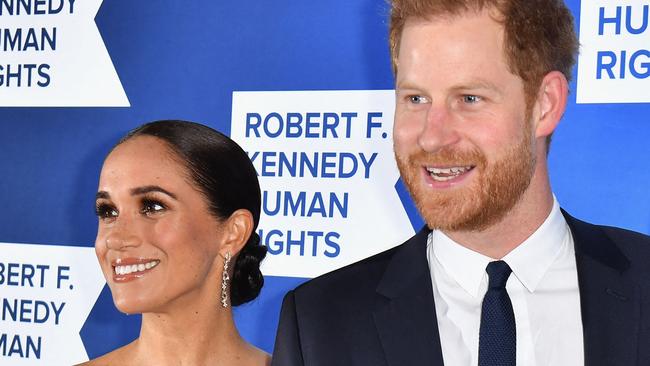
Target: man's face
463,141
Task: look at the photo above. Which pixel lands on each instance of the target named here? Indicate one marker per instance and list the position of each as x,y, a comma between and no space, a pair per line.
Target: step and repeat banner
306,89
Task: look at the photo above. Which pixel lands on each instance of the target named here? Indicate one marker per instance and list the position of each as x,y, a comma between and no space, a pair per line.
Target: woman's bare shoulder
267,359
259,357
120,356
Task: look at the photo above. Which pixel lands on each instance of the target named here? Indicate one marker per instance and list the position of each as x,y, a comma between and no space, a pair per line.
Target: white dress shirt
543,288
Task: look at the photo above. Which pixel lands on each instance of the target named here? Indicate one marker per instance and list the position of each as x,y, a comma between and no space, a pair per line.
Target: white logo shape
46,294
326,168
614,63
52,55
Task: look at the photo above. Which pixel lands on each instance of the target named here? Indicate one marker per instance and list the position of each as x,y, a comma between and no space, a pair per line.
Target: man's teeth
445,174
132,268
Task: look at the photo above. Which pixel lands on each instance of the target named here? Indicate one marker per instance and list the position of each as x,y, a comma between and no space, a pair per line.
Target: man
500,275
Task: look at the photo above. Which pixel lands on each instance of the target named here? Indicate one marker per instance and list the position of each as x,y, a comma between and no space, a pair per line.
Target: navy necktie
497,344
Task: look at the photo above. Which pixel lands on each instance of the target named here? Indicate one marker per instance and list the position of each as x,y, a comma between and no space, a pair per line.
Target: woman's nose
121,237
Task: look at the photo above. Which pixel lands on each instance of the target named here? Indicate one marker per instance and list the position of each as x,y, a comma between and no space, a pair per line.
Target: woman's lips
131,268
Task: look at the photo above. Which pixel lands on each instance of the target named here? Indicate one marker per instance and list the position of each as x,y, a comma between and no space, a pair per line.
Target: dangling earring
224,281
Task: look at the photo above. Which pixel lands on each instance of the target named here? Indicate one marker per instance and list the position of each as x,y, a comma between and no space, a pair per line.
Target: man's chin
466,211
449,221
444,211
457,224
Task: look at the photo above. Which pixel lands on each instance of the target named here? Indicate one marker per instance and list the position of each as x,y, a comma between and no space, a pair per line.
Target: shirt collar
529,261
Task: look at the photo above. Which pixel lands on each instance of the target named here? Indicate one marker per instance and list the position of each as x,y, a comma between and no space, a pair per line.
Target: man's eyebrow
102,194
148,189
476,84
465,85
406,84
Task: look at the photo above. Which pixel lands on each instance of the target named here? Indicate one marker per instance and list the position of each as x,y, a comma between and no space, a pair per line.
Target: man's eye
105,211
150,207
471,99
417,99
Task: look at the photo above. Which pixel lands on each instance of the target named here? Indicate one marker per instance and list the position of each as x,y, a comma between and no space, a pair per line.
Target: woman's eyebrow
148,189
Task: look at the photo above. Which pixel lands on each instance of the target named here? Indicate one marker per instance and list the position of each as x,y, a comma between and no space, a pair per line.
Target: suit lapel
609,301
404,310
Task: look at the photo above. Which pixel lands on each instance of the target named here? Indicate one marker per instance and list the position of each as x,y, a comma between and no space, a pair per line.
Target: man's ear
551,103
236,231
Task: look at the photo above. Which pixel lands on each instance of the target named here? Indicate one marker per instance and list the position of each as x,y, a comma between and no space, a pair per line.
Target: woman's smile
129,269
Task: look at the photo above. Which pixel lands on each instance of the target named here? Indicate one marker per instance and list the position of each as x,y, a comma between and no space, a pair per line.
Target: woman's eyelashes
105,211
148,207
152,207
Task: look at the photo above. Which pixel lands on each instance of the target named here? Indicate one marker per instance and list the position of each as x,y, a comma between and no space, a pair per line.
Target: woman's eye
150,207
471,99
417,99
105,211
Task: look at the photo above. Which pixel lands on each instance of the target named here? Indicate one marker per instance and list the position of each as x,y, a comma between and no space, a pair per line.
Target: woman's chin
130,305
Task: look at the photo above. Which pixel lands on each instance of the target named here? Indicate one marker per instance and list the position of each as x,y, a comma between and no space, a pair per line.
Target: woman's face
157,243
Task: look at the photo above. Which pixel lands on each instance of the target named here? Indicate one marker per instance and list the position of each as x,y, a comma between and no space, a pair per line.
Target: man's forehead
452,16
470,55
452,35
452,38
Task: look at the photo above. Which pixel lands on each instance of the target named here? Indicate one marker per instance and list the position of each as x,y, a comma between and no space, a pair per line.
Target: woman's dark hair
225,175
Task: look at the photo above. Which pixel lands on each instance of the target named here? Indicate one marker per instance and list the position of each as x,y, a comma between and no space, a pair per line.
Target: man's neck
517,225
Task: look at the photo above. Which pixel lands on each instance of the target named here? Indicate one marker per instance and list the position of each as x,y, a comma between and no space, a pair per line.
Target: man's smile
449,173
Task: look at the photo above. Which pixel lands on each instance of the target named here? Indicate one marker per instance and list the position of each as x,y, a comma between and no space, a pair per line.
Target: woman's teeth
132,268
445,174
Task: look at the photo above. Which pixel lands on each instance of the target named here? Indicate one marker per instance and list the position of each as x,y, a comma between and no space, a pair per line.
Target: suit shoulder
628,248
364,276
632,242
360,275
620,234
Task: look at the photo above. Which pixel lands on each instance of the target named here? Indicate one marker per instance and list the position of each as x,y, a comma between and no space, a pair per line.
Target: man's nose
439,129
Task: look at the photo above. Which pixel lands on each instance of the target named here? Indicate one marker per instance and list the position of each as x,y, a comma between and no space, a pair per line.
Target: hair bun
247,278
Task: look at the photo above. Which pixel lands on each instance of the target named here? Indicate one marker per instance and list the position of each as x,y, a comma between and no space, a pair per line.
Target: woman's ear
236,231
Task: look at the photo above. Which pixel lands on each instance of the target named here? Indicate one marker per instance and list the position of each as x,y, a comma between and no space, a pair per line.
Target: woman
178,204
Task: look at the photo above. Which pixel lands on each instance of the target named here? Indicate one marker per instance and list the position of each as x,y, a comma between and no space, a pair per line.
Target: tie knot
498,271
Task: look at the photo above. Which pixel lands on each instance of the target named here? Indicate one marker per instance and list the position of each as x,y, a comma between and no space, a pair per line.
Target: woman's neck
191,333
194,337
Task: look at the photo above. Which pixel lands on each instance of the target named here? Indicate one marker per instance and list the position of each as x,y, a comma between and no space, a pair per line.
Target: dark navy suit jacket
381,312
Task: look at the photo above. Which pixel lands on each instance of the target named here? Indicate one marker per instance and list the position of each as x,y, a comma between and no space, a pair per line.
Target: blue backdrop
183,60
